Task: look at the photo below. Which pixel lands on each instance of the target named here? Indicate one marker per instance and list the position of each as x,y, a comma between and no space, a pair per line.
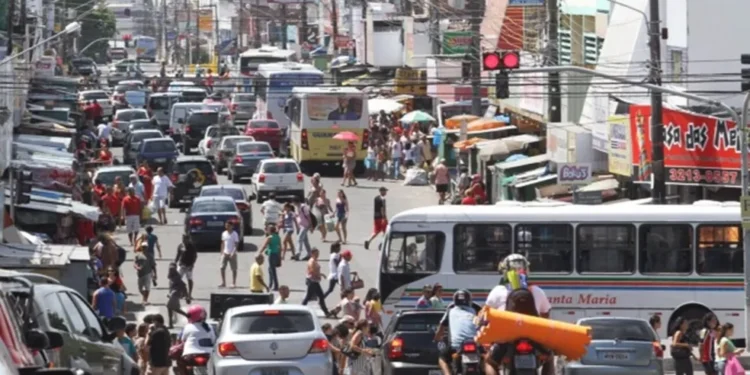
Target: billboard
334,107
456,42
618,147
698,149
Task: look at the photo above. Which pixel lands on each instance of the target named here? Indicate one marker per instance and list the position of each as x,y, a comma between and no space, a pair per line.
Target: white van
180,111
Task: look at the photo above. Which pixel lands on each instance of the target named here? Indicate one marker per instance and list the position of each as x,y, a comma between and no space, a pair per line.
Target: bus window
415,252
548,247
480,247
605,248
719,249
665,248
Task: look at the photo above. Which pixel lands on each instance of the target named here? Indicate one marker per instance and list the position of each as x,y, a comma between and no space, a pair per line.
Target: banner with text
698,149
618,147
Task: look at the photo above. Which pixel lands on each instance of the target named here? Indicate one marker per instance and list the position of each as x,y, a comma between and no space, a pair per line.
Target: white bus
319,113
250,60
273,87
609,260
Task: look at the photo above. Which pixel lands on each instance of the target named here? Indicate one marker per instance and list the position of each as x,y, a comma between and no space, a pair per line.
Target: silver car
621,346
242,107
275,339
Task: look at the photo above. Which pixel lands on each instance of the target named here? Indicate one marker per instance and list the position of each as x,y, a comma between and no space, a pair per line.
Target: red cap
346,254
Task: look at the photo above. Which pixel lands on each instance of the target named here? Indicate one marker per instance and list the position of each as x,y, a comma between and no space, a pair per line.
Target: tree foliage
98,24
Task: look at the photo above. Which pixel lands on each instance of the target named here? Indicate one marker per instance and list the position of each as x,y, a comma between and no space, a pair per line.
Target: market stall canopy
417,116
382,104
505,146
456,121
46,201
57,143
485,124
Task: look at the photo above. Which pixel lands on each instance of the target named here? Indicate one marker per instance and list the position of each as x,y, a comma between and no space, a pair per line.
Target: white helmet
513,262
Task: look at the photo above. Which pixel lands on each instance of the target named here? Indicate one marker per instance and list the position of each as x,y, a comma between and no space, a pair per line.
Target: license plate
160,160
215,223
274,371
615,356
434,372
524,362
469,358
194,191
281,188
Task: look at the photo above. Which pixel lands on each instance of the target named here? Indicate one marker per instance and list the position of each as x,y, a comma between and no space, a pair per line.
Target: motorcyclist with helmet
197,336
459,320
498,298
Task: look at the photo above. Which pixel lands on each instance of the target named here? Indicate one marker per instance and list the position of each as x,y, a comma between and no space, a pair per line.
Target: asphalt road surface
206,272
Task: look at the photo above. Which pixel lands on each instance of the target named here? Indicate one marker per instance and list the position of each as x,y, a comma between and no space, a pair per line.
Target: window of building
410,252
720,249
605,248
666,248
548,247
480,247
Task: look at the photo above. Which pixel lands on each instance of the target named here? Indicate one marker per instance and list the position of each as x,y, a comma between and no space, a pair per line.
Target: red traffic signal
499,61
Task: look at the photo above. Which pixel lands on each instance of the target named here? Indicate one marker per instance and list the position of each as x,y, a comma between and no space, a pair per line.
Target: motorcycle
196,364
525,357
467,361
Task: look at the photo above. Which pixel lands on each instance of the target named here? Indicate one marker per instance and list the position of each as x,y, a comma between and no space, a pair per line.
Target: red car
265,131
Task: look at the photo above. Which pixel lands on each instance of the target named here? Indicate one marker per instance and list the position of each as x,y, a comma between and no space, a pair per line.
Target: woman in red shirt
144,172
480,196
105,155
469,199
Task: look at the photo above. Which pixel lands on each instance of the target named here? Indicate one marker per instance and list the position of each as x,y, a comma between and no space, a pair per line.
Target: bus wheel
359,168
304,167
694,315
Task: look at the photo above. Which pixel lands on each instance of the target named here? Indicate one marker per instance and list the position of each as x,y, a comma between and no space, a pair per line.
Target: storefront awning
61,204
520,163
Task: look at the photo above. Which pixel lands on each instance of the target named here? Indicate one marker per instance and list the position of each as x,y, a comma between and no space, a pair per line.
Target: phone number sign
574,173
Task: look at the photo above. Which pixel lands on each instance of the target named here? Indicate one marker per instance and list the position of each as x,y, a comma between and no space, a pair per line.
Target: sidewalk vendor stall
505,174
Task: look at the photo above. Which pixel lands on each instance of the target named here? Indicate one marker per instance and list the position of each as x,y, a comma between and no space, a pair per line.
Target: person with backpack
458,320
515,293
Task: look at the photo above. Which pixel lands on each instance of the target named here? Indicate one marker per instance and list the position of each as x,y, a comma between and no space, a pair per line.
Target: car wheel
235,179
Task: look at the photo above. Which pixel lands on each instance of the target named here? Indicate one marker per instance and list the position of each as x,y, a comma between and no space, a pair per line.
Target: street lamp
71,28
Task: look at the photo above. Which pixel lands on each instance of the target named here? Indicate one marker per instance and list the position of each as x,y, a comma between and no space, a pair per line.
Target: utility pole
242,31
283,26
177,34
256,24
11,12
303,28
437,40
215,15
659,190
335,25
165,53
554,109
476,13
188,31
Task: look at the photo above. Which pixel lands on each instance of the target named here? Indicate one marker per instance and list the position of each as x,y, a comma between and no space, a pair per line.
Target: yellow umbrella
455,121
485,124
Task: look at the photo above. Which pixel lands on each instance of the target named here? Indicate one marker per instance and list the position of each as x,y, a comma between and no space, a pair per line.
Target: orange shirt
112,203
468,201
132,206
100,190
105,155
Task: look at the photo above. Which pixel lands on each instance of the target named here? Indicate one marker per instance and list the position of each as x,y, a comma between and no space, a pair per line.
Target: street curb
668,364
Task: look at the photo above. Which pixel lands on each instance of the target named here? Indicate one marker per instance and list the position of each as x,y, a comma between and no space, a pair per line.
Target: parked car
100,96
214,133
619,345
107,175
280,176
87,342
243,107
266,131
247,156
408,345
241,200
133,144
252,337
189,174
195,126
158,152
206,218
225,151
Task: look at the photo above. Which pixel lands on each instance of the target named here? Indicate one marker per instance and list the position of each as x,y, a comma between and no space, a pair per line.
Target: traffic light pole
476,15
746,235
12,183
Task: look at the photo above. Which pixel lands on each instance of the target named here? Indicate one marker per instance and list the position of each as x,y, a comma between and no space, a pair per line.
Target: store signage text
584,299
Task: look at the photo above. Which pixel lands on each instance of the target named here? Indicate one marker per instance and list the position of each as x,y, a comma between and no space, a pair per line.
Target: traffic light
745,60
500,61
466,70
502,85
22,187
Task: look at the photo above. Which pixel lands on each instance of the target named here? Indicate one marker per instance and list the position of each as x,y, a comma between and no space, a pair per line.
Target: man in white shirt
104,132
229,241
271,210
345,274
138,187
162,187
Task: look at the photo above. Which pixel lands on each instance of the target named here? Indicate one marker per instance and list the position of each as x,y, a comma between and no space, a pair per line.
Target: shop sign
618,146
456,42
698,149
574,173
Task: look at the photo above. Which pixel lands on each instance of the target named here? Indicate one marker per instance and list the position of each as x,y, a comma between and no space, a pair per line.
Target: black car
133,143
88,343
83,66
195,127
189,174
241,200
206,218
408,346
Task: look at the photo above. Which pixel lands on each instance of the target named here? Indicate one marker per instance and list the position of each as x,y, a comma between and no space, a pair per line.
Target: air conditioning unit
420,10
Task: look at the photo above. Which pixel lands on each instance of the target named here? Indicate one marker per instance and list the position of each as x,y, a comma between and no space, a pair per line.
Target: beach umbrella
381,104
346,136
416,116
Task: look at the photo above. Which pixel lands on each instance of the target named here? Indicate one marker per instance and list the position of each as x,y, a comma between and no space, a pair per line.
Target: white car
100,96
271,339
210,142
107,175
280,176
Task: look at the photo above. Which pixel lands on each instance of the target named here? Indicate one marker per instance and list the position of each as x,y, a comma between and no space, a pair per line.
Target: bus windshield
326,107
249,64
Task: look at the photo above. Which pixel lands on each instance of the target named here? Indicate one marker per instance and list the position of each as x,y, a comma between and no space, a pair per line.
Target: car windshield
159,102
131,115
418,322
108,177
617,329
186,166
253,147
280,167
230,143
264,125
223,131
139,137
141,124
243,98
166,145
136,98
271,321
203,119
94,95
236,194
213,206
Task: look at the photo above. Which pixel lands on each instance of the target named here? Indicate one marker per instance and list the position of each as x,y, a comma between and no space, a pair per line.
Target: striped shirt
271,211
